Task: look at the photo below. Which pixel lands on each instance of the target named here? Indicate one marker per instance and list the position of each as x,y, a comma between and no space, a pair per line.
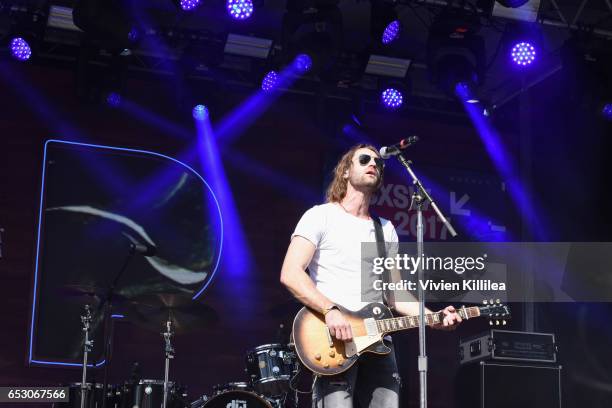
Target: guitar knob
484,302
317,356
332,354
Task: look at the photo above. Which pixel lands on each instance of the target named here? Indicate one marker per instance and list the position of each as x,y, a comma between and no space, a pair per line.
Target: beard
365,183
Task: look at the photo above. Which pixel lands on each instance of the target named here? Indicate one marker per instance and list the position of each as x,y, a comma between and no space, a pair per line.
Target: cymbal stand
169,355
87,345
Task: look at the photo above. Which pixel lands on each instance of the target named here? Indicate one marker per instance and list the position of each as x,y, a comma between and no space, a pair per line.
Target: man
327,241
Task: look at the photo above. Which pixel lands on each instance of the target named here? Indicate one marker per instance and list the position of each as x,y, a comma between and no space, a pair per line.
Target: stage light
384,23
240,9
315,31
607,111
187,5
113,99
392,98
455,52
391,32
464,91
200,112
303,62
269,81
523,53
20,49
248,46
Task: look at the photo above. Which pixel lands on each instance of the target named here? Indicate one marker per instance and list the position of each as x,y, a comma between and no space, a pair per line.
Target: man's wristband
329,309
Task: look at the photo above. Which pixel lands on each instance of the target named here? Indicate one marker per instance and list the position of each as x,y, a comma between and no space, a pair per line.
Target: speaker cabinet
491,384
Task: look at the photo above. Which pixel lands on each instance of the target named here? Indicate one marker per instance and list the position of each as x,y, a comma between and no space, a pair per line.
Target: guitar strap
387,296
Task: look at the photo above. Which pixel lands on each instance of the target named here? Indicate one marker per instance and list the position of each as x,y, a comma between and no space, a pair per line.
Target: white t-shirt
336,267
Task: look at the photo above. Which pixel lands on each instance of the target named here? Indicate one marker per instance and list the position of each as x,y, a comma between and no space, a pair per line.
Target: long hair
337,188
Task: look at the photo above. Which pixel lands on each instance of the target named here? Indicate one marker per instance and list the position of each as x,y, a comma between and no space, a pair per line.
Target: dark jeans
373,382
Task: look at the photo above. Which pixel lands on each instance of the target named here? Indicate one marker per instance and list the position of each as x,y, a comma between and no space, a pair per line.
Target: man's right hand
338,326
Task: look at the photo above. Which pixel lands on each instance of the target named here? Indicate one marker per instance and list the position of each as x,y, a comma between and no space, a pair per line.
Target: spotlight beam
494,146
238,255
235,123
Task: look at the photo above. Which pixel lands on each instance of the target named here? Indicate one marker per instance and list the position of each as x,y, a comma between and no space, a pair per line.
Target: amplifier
508,345
505,384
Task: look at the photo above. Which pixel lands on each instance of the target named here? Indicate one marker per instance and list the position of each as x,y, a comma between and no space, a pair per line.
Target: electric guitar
323,354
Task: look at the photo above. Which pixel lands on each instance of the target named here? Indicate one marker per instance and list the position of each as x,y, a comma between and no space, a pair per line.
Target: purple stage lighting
303,62
391,32
20,49
392,98
269,81
463,90
200,112
240,9
113,99
523,54
607,111
189,5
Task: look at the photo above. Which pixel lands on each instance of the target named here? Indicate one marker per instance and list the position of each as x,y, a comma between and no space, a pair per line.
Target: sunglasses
364,160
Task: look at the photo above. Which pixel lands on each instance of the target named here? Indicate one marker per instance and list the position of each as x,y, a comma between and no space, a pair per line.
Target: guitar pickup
370,326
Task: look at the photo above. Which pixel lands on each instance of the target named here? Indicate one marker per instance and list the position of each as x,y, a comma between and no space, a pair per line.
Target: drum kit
270,368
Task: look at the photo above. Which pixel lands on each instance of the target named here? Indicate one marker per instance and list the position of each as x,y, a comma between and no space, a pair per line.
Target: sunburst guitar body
323,354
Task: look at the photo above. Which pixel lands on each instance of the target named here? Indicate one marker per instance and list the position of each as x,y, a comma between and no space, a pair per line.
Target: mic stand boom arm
419,197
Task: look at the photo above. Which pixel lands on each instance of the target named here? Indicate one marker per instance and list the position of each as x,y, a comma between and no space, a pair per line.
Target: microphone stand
419,197
108,323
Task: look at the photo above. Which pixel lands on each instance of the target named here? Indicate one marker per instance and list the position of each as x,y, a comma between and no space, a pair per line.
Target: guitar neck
410,322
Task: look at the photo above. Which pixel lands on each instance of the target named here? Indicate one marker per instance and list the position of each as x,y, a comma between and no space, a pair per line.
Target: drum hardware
87,346
169,350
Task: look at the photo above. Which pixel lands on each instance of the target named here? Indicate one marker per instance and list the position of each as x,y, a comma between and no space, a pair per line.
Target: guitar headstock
495,311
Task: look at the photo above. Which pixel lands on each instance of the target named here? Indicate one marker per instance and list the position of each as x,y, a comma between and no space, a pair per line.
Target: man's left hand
450,321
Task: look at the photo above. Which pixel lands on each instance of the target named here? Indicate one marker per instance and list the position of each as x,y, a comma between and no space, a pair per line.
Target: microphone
142,249
138,248
394,150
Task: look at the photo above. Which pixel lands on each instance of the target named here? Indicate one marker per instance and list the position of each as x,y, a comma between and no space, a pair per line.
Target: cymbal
152,311
86,294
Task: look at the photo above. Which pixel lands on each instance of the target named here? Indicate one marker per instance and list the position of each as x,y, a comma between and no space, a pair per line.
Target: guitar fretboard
409,322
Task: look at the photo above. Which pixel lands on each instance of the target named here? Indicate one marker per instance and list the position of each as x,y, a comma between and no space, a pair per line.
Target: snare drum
150,394
270,368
